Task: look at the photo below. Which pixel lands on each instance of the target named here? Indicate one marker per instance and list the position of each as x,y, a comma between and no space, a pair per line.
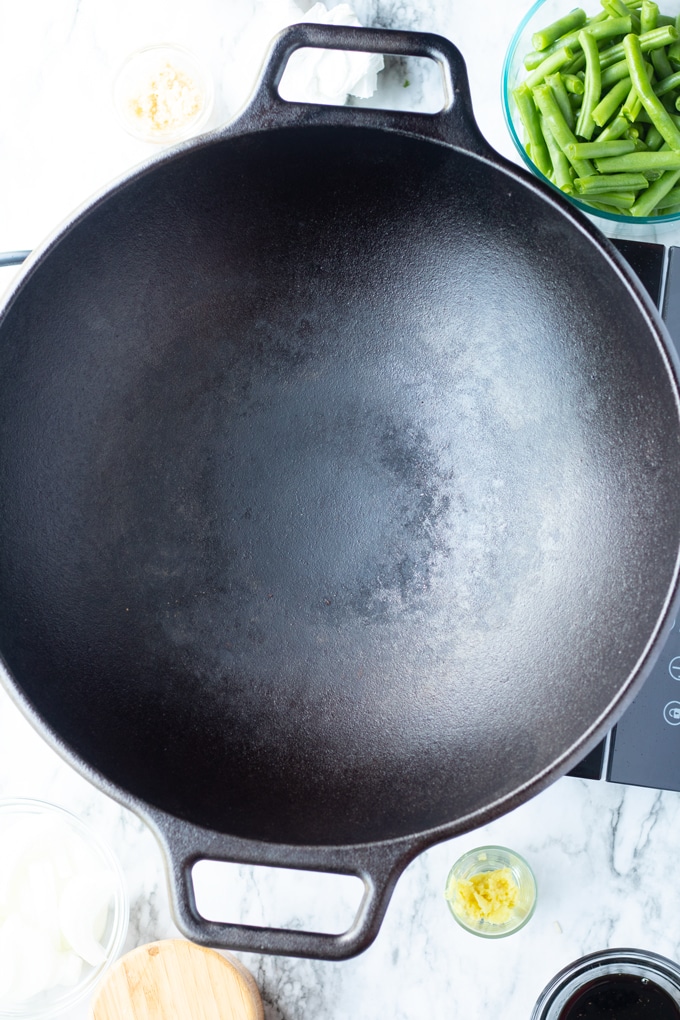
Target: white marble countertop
603,854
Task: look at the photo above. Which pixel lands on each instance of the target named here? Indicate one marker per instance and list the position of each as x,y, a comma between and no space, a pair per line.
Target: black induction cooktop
643,749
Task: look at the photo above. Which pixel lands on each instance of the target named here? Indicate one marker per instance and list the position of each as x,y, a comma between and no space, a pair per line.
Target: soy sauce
621,997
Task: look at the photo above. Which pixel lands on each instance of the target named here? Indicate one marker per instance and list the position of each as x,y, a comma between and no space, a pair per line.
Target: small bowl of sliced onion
63,909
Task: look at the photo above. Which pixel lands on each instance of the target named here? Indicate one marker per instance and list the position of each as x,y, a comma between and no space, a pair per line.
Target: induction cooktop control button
671,713
674,667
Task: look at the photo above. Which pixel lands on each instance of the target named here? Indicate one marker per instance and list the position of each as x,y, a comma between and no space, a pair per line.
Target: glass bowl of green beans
591,97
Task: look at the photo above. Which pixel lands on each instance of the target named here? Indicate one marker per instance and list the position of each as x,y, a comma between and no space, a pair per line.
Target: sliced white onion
80,905
55,901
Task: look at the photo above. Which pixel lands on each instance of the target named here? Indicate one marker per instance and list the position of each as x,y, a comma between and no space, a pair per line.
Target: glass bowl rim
509,928
588,966
207,84
506,90
71,996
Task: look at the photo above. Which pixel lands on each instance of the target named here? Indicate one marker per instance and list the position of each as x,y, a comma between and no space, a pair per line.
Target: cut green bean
562,96
640,162
660,62
576,65
585,125
670,199
649,16
615,129
647,202
616,8
544,37
615,72
608,28
561,166
598,149
548,66
611,102
655,39
653,139
574,84
632,105
652,104
672,81
538,151
600,183
615,202
558,127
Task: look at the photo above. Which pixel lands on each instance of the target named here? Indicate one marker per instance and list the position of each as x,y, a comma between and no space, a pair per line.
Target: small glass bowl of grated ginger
491,891
162,94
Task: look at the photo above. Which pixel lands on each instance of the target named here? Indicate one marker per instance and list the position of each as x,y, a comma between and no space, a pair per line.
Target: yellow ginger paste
489,895
167,101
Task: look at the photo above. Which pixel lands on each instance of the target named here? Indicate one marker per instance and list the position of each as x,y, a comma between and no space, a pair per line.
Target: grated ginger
167,102
489,895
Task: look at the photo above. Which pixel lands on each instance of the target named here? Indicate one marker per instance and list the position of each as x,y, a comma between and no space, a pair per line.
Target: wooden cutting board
177,980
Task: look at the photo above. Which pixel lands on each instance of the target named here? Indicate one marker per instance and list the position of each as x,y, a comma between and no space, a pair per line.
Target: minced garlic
167,102
489,896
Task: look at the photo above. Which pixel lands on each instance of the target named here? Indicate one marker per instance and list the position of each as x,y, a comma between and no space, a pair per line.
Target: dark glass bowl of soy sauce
615,984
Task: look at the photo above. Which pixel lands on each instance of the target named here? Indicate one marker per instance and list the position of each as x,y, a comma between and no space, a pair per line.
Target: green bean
656,110
598,149
526,107
615,129
562,96
662,67
640,162
613,201
647,202
649,16
615,72
551,64
617,8
585,125
558,127
601,183
670,199
574,84
611,102
609,28
655,39
560,163
632,105
574,20
667,84
576,65
653,139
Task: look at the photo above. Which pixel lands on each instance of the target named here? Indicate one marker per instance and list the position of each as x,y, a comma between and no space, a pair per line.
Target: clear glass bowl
23,823
163,94
506,864
541,14
559,994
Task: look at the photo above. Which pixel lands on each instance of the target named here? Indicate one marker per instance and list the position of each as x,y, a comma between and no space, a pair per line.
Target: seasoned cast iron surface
338,486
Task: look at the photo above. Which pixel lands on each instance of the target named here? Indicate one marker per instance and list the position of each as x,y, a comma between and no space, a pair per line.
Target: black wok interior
338,486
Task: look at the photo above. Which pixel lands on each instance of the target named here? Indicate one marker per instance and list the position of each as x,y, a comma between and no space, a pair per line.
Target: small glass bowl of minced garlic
163,94
491,891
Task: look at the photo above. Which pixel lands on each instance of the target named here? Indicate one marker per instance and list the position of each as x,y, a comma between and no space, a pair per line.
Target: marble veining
603,854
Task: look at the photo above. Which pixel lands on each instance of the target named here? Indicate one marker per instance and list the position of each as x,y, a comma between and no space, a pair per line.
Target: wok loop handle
378,865
455,124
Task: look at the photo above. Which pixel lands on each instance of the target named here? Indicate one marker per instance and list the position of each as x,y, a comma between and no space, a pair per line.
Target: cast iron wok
339,464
